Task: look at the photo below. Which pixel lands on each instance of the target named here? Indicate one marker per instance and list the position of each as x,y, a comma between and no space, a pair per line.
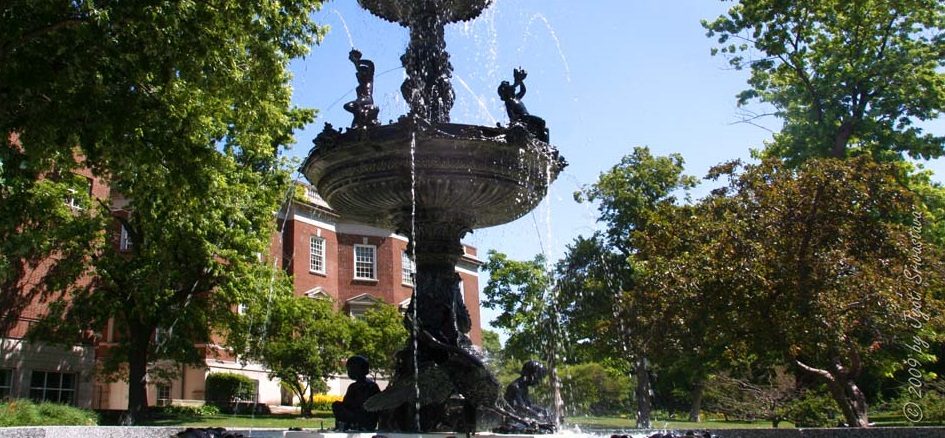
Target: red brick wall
471,295
299,235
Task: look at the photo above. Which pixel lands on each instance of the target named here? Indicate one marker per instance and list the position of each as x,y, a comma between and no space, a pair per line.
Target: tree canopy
845,76
181,108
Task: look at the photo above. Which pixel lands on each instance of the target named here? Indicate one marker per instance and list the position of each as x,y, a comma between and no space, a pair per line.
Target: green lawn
320,420
629,423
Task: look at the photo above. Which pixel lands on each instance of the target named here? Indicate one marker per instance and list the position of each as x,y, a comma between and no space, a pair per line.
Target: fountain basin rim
469,175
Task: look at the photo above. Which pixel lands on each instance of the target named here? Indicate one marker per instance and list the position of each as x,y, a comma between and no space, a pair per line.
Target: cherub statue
516,110
363,109
349,412
526,417
513,100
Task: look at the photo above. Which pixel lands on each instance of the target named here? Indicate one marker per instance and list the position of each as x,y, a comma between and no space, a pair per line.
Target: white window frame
312,255
373,249
47,390
158,389
72,199
124,240
407,269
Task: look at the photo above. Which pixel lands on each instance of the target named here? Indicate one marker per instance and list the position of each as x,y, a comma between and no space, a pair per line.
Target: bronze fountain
433,181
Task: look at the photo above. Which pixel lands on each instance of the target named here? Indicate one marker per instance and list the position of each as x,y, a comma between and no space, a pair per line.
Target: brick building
352,264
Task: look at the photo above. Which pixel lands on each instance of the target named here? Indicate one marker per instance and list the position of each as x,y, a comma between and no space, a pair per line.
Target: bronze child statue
518,114
349,412
363,109
526,416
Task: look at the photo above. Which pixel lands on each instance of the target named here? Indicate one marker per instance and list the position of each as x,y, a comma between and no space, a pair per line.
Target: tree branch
816,371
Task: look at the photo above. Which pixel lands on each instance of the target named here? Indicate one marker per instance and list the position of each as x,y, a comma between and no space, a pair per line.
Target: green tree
523,292
633,198
520,291
818,265
301,341
845,76
378,336
182,108
593,389
492,349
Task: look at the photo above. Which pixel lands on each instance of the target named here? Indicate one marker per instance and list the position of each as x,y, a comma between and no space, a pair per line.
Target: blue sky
606,75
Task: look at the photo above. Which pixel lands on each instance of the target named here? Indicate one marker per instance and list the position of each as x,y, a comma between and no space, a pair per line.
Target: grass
629,423
319,420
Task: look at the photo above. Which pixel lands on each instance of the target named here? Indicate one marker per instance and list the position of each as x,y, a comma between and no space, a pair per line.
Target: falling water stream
413,257
344,24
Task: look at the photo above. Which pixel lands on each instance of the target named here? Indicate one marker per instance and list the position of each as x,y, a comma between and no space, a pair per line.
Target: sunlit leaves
844,75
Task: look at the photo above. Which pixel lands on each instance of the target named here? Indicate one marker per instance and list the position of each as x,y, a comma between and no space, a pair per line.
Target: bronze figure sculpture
362,107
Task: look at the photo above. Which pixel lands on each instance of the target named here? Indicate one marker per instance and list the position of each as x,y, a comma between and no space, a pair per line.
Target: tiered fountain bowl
475,176
433,181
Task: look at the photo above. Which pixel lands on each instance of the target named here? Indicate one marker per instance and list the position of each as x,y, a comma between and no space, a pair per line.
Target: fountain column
434,181
427,88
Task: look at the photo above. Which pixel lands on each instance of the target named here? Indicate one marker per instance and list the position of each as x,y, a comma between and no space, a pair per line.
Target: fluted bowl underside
465,175
403,11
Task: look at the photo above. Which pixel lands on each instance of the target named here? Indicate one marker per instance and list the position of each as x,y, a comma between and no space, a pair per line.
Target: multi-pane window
6,384
161,335
124,241
365,262
163,394
316,255
53,387
407,268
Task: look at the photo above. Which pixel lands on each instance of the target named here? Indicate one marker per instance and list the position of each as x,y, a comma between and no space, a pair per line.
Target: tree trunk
845,392
306,403
138,373
851,400
643,392
696,396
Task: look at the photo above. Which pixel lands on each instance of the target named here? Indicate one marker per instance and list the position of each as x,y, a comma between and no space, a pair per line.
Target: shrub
206,410
813,409
932,402
223,388
594,389
27,413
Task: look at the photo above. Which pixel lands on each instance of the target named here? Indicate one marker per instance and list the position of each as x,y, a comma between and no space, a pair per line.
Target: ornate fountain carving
466,176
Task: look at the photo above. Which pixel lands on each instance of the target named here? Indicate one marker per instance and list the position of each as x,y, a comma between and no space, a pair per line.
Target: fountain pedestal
433,181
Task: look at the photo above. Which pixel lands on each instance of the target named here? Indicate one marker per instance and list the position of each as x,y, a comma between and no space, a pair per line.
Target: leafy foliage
844,75
224,388
812,264
593,389
301,341
18,413
182,108
519,289
41,235
175,411
378,335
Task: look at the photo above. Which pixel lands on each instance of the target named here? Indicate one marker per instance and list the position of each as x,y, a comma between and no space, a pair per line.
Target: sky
606,75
